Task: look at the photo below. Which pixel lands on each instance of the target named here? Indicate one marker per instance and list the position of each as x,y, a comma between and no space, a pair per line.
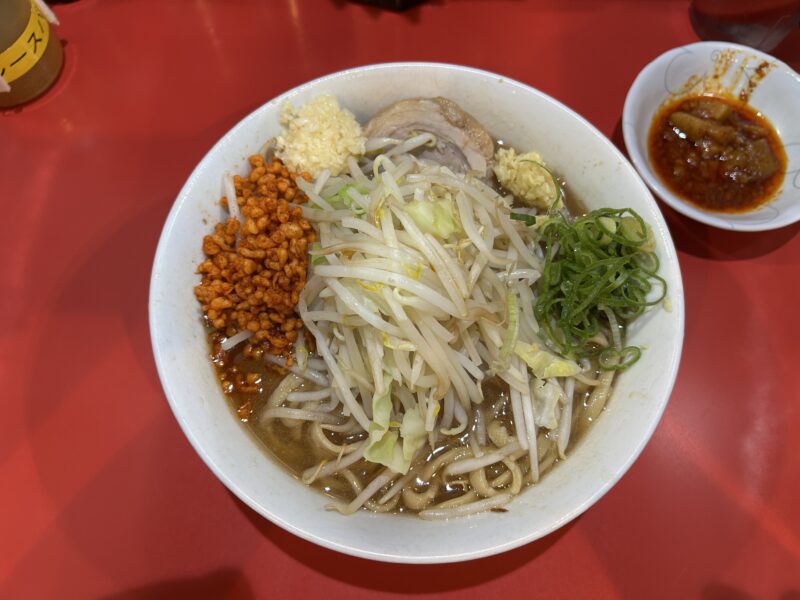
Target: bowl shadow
397,577
222,583
705,241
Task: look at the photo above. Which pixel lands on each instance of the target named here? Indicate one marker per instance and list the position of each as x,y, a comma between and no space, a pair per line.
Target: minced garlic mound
319,135
525,176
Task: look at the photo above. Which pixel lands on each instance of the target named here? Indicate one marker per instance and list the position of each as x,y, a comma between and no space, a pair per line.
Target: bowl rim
638,155
645,434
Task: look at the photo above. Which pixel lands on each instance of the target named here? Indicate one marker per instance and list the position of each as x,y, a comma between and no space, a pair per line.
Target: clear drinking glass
760,24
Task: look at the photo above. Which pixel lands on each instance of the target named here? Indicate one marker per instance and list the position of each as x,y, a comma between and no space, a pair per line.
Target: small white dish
596,173
714,67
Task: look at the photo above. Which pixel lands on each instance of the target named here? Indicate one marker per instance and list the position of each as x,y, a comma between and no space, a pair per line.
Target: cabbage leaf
437,217
545,397
383,446
545,364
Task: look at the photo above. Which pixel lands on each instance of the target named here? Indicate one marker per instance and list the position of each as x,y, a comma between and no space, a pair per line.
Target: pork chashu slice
462,143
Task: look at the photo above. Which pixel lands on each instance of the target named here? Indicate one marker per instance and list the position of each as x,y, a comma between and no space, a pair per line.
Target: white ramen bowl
595,172
714,67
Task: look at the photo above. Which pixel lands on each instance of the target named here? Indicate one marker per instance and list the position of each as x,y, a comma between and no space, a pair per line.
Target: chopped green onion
604,261
611,359
342,199
527,219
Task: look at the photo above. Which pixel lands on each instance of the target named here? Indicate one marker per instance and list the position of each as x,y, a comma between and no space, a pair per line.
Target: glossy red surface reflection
102,495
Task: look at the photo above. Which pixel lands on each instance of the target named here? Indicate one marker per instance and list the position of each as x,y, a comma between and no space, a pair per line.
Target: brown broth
291,446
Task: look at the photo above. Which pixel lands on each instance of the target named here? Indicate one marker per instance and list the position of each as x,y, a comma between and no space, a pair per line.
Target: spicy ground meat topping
255,270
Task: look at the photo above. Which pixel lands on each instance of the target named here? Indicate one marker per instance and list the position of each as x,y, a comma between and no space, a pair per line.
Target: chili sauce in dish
717,153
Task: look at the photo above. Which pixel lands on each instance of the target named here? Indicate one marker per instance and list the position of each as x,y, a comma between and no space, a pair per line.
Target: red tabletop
101,494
